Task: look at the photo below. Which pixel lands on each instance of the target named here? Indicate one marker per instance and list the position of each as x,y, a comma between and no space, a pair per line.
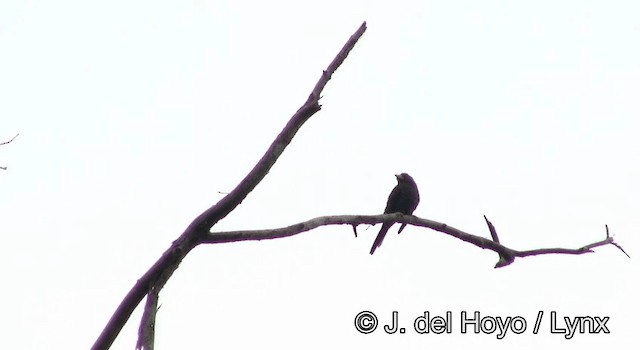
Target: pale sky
134,116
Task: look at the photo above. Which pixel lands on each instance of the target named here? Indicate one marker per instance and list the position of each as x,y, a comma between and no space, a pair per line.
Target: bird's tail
380,237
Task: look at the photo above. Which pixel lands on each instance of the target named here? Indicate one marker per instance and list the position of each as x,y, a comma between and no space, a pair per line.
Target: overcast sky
134,117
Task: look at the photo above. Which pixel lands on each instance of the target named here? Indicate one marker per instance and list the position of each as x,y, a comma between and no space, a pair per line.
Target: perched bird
403,199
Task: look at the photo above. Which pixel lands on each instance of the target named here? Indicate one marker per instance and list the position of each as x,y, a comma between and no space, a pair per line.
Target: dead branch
147,328
4,143
507,255
161,271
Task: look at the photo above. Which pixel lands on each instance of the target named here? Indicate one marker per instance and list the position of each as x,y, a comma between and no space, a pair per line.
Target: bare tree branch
162,270
146,330
4,143
622,250
614,243
505,259
492,230
507,255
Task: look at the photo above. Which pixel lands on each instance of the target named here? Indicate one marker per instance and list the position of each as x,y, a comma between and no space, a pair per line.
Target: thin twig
147,328
492,230
6,142
619,247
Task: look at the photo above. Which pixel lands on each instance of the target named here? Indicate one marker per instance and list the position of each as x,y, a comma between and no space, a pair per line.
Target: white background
133,116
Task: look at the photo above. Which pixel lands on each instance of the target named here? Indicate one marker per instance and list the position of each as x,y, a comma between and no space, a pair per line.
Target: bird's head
404,177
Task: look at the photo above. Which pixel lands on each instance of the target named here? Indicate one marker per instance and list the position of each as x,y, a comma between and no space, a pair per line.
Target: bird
404,198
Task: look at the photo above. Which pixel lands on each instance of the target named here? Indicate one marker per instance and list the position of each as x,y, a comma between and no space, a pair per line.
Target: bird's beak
398,176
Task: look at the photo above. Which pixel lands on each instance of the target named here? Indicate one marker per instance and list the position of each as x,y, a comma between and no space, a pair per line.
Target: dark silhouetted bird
403,199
